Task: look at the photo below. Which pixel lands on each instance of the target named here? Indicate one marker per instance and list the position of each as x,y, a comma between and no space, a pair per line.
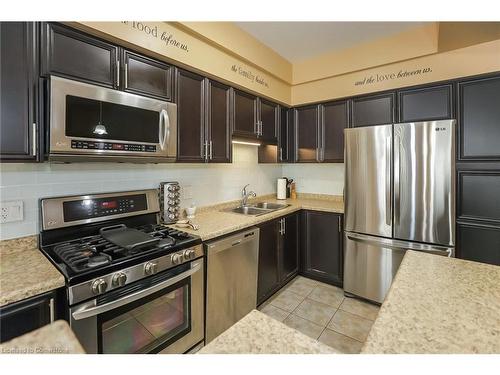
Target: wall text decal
401,74
249,75
168,38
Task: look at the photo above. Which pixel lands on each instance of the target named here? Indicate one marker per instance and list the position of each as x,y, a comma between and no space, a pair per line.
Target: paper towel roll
281,188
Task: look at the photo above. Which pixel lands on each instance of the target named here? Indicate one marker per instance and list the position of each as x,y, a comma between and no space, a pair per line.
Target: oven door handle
96,310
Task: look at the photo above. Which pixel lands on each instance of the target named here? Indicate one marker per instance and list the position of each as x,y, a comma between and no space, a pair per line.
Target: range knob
150,268
189,254
99,286
176,258
119,279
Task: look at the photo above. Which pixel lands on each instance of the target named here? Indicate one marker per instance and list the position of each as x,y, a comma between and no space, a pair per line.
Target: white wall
206,183
316,178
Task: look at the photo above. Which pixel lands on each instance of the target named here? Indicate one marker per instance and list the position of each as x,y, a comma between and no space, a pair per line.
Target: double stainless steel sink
257,209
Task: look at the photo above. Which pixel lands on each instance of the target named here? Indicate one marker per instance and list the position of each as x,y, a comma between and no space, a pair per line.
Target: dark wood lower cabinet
478,242
321,246
27,315
278,254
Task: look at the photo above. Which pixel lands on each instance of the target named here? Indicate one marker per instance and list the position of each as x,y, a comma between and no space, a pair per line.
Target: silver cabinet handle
96,310
340,224
126,75
284,226
118,73
211,150
205,150
52,312
281,153
388,203
34,140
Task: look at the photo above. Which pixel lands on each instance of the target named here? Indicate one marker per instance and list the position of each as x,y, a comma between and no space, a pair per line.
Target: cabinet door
190,97
219,122
479,196
479,119
285,139
289,249
22,317
423,104
373,110
268,275
321,246
245,114
19,123
307,133
480,243
145,76
335,118
269,113
75,55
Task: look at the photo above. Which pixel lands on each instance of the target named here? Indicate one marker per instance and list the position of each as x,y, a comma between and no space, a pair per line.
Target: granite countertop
214,221
258,333
25,271
54,338
439,305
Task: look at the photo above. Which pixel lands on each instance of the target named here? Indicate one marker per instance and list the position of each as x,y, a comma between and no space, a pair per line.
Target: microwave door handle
96,310
162,129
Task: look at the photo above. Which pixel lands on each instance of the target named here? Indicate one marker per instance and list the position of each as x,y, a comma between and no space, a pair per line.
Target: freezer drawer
424,182
368,180
370,263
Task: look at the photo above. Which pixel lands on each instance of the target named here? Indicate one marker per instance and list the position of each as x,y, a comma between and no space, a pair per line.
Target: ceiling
296,41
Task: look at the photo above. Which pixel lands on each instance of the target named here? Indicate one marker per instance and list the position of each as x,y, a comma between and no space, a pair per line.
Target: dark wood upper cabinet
289,249
190,98
218,132
286,135
75,55
428,103
479,243
479,119
307,133
20,127
268,275
245,114
321,246
145,76
373,110
268,117
335,118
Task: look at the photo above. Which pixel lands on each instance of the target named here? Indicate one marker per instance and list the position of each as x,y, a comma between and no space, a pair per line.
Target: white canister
281,188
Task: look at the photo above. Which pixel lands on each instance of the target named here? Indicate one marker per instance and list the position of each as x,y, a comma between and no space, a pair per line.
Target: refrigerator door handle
401,245
388,203
397,176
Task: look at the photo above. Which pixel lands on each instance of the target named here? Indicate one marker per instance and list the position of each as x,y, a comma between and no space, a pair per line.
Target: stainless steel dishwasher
232,264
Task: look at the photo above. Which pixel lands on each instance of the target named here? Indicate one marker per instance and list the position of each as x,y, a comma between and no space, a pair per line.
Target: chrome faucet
245,195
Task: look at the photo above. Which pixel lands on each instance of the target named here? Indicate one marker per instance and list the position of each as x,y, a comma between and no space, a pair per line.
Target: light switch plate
11,211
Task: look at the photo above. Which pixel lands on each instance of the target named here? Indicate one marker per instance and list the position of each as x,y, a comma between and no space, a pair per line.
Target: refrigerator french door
400,193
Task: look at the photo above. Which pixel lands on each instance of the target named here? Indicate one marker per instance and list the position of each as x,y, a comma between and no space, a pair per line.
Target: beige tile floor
322,312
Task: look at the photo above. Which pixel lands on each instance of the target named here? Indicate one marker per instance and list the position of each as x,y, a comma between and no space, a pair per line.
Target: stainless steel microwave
93,123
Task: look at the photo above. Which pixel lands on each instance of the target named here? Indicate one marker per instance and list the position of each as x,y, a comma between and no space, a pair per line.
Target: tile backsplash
203,184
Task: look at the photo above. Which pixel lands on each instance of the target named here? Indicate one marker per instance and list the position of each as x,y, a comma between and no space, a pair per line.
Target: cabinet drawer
430,103
479,195
480,243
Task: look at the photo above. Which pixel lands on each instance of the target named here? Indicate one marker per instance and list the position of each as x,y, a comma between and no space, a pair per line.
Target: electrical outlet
187,192
11,211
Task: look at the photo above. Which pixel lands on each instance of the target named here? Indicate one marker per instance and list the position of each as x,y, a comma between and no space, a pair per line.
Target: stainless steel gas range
133,286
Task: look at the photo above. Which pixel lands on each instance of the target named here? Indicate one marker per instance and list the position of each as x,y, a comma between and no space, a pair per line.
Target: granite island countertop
215,221
25,271
439,305
54,338
257,333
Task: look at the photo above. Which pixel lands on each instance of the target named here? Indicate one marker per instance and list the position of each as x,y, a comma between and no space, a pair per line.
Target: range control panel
111,146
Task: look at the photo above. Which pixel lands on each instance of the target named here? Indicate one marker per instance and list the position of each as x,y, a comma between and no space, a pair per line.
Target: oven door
162,313
97,122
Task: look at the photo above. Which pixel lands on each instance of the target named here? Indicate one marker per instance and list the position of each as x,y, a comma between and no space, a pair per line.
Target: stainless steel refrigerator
399,195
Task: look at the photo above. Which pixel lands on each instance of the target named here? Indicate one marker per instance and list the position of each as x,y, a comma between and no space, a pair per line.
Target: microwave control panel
112,146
